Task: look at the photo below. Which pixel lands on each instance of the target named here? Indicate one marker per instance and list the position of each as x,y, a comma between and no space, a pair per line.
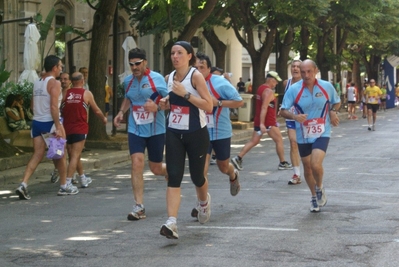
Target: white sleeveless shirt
41,101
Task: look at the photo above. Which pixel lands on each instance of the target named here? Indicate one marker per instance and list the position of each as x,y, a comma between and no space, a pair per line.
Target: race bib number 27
179,117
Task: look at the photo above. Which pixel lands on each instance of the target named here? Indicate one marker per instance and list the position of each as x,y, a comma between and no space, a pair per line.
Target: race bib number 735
314,128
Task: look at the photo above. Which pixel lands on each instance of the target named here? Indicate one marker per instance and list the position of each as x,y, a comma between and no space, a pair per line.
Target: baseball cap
274,75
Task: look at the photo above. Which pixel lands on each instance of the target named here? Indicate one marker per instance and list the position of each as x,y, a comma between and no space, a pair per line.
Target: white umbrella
31,54
127,45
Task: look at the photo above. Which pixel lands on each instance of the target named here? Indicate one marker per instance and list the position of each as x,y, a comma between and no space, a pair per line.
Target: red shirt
74,112
270,119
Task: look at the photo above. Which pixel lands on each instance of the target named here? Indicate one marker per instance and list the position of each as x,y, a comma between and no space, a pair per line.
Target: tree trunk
284,54
7,150
219,48
188,32
371,66
356,74
305,39
103,19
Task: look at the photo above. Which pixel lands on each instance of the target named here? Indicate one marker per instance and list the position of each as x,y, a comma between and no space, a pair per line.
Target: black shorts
373,107
74,138
320,143
383,100
351,102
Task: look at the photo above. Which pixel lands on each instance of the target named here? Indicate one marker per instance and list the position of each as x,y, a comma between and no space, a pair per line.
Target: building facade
80,16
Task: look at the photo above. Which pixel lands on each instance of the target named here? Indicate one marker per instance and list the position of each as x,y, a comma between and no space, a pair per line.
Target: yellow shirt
373,94
107,94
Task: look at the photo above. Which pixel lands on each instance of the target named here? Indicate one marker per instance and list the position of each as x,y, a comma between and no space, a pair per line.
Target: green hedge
25,89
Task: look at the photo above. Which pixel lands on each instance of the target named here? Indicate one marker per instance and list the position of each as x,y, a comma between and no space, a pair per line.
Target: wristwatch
187,96
220,103
333,109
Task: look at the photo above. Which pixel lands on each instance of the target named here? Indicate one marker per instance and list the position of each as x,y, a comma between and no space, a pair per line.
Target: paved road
267,224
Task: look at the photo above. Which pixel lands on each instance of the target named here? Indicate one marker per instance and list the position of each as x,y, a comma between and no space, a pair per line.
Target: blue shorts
320,143
39,128
221,148
74,138
154,144
290,124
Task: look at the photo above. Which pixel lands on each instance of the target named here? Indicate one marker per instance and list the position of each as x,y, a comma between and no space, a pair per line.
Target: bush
25,89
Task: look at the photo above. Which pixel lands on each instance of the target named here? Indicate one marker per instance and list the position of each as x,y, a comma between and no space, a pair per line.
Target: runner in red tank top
265,122
75,104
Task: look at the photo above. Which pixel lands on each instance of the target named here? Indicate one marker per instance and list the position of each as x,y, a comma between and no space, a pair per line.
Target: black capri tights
196,145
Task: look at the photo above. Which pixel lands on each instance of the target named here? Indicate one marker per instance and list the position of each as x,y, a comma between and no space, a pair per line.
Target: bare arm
89,99
14,117
228,103
124,107
54,90
203,102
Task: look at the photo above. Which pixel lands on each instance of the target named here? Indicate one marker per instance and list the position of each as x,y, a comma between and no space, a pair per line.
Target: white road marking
243,228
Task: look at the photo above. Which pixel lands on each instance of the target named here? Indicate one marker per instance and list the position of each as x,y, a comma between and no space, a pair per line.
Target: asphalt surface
267,224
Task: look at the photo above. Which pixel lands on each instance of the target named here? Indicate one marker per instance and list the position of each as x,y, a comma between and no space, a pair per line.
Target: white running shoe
169,230
204,212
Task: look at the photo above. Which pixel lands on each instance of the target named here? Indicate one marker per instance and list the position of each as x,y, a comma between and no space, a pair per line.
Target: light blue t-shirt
221,115
152,86
316,105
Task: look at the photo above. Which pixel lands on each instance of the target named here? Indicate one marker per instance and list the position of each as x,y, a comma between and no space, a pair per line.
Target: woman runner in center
186,133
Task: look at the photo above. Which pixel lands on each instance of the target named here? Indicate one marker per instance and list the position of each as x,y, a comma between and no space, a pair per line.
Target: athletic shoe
295,179
354,117
74,180
137,213
85,181
237,163
373,127
22,192
314,207
321,197
235,185
369,128
285,166
169,230
69,190
55,176
213,160
204,212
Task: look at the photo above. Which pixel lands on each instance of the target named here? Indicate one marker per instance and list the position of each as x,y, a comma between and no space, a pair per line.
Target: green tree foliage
174,17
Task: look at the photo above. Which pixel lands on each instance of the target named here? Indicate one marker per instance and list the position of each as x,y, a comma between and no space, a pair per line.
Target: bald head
77,79
308,72
309,62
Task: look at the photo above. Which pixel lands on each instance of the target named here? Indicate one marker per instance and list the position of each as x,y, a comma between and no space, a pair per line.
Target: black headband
185,45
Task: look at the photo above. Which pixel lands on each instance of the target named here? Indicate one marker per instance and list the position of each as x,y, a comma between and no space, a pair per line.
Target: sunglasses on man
136,63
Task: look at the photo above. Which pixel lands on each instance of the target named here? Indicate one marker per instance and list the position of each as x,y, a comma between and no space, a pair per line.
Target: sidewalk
97,158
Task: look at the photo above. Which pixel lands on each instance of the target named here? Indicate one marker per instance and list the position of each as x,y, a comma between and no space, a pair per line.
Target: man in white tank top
47,98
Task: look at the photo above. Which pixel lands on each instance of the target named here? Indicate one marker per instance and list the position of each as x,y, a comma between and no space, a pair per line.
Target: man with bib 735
316,103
